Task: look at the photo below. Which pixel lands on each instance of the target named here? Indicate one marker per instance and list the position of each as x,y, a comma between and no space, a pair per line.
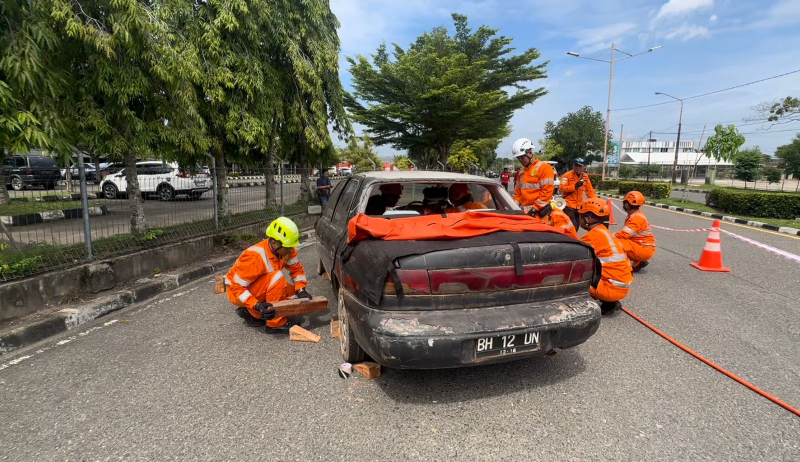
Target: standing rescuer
574,184
636,237
616,278
534,188
256,280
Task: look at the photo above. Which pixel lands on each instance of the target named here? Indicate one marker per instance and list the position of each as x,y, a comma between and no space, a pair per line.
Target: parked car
451,303
107,169
23,171
491,174
345,171
88,168
166,181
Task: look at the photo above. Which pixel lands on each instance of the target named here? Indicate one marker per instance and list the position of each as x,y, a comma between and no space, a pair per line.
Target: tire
50,186
350,349
166,193
17,184
110,191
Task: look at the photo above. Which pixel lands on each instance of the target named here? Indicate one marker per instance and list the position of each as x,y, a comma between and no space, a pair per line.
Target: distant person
637,236
387,200
616,277
574,184
324,187
505,178
461,197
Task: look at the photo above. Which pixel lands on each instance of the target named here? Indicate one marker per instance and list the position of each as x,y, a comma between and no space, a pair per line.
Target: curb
69,318
741,221
53,215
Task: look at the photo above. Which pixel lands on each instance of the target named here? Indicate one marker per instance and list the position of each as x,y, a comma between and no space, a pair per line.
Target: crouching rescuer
636,237
256,280
616,277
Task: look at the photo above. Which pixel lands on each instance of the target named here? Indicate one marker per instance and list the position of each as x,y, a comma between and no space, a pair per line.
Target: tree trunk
221,177
96,162
269,174
138,220
306,195
4,197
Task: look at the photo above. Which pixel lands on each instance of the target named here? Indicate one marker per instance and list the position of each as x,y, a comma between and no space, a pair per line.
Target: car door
325,233
341,217
8,166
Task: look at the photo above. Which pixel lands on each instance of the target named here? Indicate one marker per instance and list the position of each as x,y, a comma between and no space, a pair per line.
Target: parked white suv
162,180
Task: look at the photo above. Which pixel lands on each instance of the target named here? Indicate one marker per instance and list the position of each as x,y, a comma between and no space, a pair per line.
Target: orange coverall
574,196
637,238
559,219
257,277
616,278
535,187
464,207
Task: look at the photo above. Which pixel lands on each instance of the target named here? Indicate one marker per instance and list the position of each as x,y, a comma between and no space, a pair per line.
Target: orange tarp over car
436,227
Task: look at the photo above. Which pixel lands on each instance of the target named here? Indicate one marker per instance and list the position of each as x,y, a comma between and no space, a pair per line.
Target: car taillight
414,282
460,281
183,175
29,172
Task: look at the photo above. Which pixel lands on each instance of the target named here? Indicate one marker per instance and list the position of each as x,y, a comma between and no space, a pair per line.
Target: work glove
266,310
303,293
579,184
544,211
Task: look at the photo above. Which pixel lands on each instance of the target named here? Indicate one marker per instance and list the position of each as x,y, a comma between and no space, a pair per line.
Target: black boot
640,266
609,307
248,318
284,329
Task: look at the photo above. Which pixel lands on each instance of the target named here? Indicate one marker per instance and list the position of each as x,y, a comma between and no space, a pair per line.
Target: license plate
507,344
199,183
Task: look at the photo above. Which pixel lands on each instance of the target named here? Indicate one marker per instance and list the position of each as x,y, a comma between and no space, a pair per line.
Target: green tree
401,162
549,150
746,164
724,143
789,155
580,134
626,171
649,171
785,110
362,155
772,175
442,89
31,82
462,159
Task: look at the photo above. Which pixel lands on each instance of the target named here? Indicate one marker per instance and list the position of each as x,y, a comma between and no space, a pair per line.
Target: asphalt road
182,378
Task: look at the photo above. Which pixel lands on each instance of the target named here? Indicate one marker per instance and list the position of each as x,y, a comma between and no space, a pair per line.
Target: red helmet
459,191
595,206
634,198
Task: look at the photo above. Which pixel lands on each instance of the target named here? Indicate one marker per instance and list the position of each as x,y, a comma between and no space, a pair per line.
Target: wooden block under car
368,369
219,284
298,334
298,306
335,329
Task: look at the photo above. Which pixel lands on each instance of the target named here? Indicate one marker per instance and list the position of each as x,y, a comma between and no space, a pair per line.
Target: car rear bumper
448,338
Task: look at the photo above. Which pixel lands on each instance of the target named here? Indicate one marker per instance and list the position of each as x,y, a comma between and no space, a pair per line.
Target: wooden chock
298,334
219,284
335,329
368,369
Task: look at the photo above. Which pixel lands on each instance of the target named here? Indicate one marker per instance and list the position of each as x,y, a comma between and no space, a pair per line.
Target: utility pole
649,145
677,143
619,154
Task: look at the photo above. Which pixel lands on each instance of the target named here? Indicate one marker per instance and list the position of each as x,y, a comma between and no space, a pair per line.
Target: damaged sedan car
439,270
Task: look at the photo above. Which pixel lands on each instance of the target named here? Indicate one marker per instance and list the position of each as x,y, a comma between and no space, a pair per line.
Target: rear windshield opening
42,162
413,199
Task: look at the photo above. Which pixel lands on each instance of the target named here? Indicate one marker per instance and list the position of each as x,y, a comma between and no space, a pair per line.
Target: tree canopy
444,88
782,111
724,143
746,164
362,155
789,155
579,134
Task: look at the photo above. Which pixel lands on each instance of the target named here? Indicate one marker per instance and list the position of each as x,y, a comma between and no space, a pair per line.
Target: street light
677,143
610,82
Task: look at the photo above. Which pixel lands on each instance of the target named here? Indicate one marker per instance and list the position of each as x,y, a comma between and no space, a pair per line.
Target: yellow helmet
284,231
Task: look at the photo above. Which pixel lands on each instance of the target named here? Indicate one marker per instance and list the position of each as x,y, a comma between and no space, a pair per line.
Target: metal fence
45,229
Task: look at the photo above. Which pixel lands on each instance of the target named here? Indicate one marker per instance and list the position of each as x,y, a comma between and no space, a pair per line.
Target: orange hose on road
709,363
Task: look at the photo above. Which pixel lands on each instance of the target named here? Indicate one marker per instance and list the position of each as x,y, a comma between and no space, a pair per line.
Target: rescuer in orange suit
574,184
535,186
257,280
616,278
461,197
558,219
637,236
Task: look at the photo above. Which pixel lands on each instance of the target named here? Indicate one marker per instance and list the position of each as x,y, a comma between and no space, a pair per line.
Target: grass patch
706,187
23,208
685,203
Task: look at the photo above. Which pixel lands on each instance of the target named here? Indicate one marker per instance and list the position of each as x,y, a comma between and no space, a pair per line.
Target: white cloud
598,38
687,32
680,7
712,19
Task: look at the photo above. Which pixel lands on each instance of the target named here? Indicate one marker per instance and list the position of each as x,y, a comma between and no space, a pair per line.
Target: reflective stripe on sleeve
263,254
293,261
275,278
613,259
302,277
619,284
240,281
548,182
244,296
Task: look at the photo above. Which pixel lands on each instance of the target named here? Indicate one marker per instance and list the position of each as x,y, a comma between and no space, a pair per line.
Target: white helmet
521,147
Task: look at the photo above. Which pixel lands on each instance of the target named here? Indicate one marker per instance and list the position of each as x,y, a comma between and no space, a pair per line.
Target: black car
23,171
432,304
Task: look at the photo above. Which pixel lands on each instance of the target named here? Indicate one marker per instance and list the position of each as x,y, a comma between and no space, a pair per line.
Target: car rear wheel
166,193
351,350
17,184
110,191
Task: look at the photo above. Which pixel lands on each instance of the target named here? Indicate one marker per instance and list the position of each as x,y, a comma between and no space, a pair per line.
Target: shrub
606,185
595,178
755,204
651,190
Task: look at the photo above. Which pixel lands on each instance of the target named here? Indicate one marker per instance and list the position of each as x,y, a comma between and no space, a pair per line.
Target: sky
707,45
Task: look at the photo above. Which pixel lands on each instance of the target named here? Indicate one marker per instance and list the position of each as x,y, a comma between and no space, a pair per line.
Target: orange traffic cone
711,258
611,213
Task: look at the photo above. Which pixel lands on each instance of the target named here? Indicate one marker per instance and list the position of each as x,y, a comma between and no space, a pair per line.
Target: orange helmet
595,206
459,191
634,198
